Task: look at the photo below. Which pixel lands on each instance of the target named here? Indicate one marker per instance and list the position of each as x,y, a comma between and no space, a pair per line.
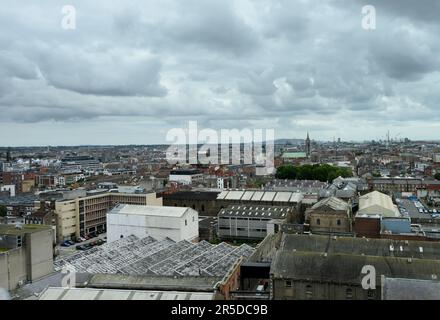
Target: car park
65,244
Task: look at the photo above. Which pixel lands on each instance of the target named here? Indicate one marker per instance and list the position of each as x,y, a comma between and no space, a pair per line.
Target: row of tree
321,172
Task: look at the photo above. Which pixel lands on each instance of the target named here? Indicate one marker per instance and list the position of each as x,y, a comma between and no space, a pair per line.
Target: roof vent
409,260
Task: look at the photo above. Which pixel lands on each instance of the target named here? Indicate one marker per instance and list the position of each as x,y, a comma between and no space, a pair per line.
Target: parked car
70,242
65,244
99,242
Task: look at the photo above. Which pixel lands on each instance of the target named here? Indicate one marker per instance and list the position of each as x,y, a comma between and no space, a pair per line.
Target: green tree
437,176
3,211
321,172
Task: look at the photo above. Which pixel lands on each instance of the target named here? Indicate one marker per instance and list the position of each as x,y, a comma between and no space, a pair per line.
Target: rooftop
111,294
361,246
294,155
185,172
265,196
331,203
6,229
149,210
377,203
346,268
410,289
192,195
148,256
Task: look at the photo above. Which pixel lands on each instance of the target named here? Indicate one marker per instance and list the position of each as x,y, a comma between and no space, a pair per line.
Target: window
370,294
309,292
288,284
338,222
203,208
349,294
194,206
186,222
318,221
193,219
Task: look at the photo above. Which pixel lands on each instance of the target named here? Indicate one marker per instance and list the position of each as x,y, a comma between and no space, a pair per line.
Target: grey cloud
305,64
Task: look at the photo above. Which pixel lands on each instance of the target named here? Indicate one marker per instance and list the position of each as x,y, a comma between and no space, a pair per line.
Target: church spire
308,147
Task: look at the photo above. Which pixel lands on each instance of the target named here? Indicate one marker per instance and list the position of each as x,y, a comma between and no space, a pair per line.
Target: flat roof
149,210
9,229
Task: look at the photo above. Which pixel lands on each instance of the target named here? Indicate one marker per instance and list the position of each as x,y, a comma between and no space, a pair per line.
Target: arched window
349,293
309,292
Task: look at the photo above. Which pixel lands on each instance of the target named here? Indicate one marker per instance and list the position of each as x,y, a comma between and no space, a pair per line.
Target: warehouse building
148,256
377,214
330,215
209,203
249,222
114,294
175,223
322,267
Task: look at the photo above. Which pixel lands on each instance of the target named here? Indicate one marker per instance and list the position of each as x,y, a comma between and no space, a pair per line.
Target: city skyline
126,74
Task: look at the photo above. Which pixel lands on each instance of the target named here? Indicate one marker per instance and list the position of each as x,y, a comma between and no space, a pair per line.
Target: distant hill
293,142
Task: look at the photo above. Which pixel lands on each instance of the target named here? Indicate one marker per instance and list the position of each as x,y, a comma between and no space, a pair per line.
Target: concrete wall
12,268
242,228
39,252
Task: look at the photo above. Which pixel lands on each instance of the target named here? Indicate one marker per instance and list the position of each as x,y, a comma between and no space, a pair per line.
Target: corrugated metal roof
113,294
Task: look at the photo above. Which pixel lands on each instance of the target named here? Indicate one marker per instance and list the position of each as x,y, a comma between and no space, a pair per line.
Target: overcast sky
132,70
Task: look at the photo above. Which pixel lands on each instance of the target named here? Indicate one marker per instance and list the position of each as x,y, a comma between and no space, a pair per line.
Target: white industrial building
377,204
176,223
